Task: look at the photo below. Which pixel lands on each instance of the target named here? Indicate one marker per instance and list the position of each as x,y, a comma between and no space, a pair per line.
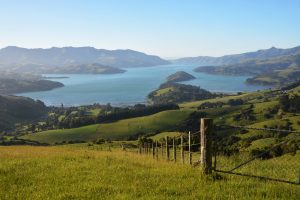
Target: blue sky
168,28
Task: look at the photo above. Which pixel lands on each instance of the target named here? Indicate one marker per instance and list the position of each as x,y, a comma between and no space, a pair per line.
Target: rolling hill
120,130
236,58
94,68
57,57
19,109
281,70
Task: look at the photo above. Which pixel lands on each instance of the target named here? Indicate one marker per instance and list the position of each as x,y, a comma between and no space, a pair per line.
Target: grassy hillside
120,130
19,109
163,135
245,96
81,173
273,71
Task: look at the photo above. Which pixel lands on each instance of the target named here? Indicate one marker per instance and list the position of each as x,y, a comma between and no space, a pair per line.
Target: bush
235,102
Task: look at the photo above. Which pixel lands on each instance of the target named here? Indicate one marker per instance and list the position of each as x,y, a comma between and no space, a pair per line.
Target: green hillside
15,109
120,130
277,71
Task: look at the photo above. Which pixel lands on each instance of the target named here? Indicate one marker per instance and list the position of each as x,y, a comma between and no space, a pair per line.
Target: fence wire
284,167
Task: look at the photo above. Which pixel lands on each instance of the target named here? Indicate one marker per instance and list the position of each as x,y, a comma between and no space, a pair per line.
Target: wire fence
278,162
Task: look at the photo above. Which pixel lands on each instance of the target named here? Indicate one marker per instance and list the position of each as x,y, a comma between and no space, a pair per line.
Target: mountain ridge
61,56
236,58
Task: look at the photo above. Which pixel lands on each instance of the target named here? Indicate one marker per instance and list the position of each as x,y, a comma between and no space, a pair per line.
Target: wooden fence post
140,149
153,150
174,149
162,150
182,150
190,154
167,148
156,150
206,131
147,147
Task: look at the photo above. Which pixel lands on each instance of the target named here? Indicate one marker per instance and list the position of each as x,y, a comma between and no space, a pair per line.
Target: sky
167,28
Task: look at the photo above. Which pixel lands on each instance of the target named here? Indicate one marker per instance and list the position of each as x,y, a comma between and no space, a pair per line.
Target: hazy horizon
166,58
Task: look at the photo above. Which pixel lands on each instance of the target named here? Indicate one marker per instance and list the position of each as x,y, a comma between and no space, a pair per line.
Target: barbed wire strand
259,155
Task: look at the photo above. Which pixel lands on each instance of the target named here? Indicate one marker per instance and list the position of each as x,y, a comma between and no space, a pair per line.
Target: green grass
120,130
164,91
80,173
261,143
163,135
94,112
245,96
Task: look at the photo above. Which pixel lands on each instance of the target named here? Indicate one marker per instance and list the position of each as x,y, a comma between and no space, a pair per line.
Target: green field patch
261,143
120,130
163,91
163,135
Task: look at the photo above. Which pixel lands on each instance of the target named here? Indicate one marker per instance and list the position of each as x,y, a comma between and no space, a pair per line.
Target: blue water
130,87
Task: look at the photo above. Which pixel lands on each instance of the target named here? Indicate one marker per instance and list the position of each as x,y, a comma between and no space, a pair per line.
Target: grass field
163,91
245,96
163,135
69,172
120,130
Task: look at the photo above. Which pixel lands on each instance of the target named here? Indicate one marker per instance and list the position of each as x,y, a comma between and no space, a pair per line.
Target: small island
178,93
179,77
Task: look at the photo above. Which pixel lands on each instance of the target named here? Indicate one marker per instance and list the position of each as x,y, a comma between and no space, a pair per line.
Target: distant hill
57,57
180,76
273,71
94,68
19,109
12,86
236,58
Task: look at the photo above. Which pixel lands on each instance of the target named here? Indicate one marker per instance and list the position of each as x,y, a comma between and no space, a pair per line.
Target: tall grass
80,173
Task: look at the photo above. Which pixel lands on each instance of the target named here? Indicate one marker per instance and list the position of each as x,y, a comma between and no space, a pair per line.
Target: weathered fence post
206,131
162,150
147,147
140,149
167,148
174,149
190,154
153,150
182,150
156,150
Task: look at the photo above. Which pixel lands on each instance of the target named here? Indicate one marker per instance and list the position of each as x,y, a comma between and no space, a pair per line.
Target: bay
130,87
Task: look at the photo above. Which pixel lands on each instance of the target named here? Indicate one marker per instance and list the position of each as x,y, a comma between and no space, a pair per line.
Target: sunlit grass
80,173
120,130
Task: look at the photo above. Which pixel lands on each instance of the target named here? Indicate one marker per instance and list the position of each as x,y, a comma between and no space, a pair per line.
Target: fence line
208,151
259,129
